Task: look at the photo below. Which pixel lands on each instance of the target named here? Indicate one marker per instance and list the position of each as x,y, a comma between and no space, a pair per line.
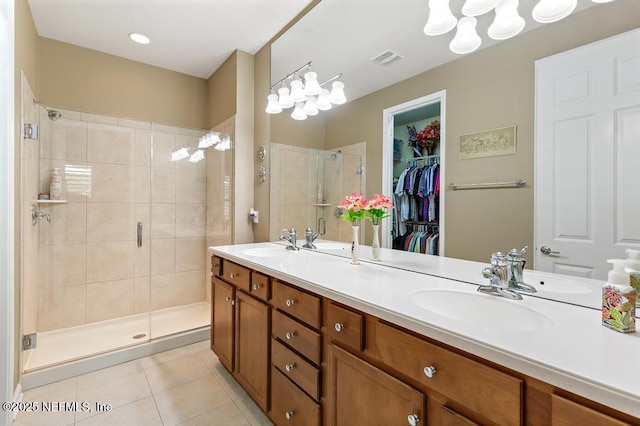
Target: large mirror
491,88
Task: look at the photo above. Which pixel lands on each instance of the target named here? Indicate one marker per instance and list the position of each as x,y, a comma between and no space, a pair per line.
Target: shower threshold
61,346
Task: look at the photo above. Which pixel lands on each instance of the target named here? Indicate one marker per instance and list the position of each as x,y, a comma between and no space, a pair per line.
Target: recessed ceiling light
139,38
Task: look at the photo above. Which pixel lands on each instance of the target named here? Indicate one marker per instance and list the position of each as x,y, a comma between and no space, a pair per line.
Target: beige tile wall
117,172
295,174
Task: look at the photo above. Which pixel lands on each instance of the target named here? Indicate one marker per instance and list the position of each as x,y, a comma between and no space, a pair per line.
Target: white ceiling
196,36
189,36
343,35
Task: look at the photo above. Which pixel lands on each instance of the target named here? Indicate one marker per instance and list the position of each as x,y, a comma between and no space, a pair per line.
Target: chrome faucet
291,239
309,238
498,276
516,263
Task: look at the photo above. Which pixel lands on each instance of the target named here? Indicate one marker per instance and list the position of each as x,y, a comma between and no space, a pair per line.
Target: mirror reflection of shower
52,113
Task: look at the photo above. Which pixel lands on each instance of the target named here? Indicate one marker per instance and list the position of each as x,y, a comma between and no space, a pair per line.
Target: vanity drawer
296,368
345,326
260,286
216,266
303,306
297,336
289,405
465,381
236,274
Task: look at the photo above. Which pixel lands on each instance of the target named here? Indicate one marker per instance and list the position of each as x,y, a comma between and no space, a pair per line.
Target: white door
587,156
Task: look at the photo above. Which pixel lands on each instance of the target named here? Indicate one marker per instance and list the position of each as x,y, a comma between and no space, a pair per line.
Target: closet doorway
413,167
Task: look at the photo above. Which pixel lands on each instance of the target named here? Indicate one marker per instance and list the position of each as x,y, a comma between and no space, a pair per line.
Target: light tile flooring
183,386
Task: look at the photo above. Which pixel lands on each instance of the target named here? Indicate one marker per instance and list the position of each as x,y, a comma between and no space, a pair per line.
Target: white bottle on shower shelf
55,185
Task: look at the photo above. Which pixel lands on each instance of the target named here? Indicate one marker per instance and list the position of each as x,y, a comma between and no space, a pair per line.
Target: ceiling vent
387,57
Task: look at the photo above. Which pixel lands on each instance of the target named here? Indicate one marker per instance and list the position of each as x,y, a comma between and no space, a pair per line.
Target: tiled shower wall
295,175
117,172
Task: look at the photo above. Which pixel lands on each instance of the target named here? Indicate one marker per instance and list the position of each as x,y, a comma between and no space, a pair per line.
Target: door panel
587,145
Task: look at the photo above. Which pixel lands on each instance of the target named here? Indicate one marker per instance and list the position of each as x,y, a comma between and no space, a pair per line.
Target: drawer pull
288,415
232,275
256,286
289,367
339,327
413,419
290,302
289,335
430,371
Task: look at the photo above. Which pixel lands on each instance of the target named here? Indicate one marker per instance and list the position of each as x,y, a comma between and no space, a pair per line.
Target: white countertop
568,348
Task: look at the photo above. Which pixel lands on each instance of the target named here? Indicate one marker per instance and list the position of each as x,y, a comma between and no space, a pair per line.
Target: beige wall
489,89
221,92
81,79
26,60
262,129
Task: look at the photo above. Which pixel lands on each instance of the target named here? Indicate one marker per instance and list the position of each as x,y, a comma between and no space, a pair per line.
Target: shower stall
308,184
121,258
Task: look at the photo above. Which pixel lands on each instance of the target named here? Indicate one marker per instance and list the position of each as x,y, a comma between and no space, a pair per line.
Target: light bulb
547,11
507,22
310,108
297,92
311,85
441,20
337,96
467,39
284,98
298,112
478,7
323,103
197,156
272,104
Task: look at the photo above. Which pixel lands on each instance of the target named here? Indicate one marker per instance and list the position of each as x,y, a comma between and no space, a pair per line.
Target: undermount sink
267,252
555,284
486,311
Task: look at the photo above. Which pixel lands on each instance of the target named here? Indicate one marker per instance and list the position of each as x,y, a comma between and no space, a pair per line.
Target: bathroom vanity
315,340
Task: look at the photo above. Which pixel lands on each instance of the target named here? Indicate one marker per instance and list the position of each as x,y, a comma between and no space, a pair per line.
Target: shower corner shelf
51,201
322,205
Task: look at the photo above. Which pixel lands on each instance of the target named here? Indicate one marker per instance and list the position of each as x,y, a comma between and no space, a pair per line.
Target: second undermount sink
267,252
490,312
331,245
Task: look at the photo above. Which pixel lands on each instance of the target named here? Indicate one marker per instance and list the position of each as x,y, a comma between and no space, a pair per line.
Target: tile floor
183,386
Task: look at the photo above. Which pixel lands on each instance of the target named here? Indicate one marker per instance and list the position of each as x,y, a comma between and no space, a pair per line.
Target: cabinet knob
289,335
430,371
228,299
339,327
290,302
233,275
256,286
289,367
214,265
413,419
288,415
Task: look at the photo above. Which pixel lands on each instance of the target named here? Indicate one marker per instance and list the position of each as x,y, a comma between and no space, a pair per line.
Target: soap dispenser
632,267
618,300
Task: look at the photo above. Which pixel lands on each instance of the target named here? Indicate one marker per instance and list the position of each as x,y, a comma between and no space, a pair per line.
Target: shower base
62,346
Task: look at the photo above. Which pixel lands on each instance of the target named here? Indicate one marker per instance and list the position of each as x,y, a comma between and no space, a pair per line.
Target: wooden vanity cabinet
240,330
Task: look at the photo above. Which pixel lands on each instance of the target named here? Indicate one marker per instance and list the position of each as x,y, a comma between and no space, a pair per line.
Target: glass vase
355,244
375,247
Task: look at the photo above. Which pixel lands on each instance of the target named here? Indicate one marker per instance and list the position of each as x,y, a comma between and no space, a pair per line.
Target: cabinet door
361,394
222,325
252,347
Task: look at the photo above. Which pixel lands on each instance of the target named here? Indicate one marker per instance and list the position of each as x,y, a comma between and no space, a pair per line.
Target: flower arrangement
378,208
429,137
355,207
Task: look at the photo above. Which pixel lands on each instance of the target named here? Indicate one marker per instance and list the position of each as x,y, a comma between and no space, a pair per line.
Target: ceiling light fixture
506,24
139,38
306,94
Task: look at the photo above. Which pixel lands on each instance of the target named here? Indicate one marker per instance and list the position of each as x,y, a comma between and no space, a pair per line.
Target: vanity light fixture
197,156
209,139
506,24
306,94
139,38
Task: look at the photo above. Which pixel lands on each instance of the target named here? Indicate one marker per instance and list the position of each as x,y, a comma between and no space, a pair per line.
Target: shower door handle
139,234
